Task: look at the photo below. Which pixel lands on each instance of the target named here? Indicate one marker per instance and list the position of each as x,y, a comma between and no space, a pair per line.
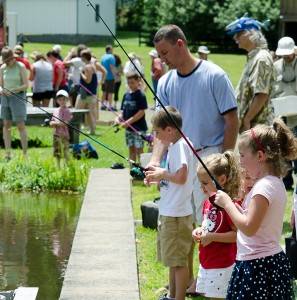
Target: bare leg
23,135
45,102
139,151
132,153
109,99
181,281
92,117
7,136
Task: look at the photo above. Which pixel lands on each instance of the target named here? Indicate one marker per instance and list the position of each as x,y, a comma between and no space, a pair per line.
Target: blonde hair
224,164
276,141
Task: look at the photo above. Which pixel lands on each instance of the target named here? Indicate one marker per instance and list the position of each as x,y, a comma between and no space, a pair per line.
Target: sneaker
103,107
166,297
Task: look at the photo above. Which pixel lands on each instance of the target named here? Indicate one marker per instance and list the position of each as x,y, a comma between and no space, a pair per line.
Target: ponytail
285,139
276,141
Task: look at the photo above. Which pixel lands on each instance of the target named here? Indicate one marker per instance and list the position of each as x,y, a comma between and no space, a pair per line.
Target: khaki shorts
61,147
175,240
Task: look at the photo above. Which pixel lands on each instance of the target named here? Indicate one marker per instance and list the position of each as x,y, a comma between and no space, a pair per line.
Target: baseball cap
153,53
62,93
285,46
203,49
57,48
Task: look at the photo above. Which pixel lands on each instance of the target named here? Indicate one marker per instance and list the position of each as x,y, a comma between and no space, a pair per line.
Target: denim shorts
134,139
13,108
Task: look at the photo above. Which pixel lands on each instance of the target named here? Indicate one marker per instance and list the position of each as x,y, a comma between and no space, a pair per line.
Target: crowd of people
236,215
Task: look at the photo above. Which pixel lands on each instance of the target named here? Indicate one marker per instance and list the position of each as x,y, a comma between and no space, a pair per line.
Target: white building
61,20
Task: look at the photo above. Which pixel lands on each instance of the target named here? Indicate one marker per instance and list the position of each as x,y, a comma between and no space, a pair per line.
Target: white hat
203,49
62,93
285,46
153,53
57,48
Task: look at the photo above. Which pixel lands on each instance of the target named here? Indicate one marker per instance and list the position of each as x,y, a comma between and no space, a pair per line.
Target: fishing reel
137,172
116,127
149,138
46,122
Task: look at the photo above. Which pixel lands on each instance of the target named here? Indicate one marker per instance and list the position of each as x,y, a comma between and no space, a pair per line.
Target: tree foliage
202,20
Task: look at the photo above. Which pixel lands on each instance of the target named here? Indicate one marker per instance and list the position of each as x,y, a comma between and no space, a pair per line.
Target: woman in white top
42,77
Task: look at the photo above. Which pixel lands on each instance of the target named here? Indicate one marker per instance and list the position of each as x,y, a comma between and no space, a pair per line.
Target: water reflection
36,233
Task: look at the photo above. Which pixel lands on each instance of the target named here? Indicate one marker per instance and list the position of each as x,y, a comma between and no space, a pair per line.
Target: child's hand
206,238
196,234
222,199
123,124
155,174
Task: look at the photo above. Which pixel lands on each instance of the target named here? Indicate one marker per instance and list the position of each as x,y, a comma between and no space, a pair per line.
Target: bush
38,174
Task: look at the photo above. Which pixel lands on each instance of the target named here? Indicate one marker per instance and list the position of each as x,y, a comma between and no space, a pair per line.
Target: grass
152,275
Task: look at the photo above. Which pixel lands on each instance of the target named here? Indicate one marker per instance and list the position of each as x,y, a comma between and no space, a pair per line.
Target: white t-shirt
76,66
265,241
176,198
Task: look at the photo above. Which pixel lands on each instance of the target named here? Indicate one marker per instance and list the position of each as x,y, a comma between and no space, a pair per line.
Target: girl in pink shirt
262,270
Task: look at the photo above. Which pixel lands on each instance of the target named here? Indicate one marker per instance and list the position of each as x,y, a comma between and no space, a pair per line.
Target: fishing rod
146,138
132,162
218,186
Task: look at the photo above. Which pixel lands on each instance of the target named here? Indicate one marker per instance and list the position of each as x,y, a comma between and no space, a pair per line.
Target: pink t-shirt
265,241
63,113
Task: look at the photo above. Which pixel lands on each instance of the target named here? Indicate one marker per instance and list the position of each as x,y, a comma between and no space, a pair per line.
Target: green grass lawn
152,275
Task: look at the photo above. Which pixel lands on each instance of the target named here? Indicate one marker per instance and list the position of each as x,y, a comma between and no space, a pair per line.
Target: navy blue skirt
264,278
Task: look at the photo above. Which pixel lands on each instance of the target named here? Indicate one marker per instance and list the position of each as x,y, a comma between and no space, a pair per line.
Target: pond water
36,233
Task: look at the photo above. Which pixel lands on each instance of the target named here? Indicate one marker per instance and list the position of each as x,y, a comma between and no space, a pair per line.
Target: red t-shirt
59,65
25,61
216,255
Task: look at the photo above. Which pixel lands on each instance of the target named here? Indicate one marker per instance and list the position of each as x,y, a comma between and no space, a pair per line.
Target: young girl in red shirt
217,235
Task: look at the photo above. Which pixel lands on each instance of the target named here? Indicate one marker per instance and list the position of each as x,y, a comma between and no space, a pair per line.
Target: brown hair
276,141
6,53
171,33
224,164
86,53
161,120
133,76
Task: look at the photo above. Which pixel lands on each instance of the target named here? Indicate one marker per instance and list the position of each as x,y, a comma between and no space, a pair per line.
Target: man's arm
256,106
231,130
158,152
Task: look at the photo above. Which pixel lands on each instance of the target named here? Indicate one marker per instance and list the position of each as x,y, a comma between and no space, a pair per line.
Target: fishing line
156,97
132,162
145,138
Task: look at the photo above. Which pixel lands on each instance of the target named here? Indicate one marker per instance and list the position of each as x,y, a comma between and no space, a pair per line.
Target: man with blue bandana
255,86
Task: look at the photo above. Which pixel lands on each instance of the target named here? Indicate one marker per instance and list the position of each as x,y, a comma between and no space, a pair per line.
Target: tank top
12,78
43,80
92,86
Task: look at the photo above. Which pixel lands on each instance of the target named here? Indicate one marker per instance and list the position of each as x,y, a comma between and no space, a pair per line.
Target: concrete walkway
102,264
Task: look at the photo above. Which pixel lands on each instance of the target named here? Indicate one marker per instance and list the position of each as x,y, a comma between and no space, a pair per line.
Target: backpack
84,149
